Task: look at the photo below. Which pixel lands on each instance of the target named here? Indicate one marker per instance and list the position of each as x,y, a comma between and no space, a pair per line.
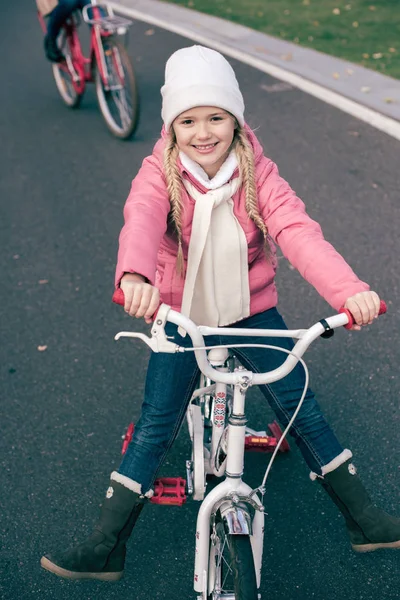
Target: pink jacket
146,245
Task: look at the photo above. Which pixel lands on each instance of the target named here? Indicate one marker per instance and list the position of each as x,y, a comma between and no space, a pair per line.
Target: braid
245,155
174,186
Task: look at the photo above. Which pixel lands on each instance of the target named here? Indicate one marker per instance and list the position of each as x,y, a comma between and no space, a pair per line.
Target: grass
364,32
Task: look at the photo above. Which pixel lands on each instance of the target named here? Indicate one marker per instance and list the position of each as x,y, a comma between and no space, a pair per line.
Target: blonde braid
245,156
174,186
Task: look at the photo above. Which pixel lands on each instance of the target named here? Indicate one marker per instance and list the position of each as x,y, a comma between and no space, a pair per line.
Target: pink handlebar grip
382,310
118,297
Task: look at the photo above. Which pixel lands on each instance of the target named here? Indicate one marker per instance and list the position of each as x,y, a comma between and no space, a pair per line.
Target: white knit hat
198,76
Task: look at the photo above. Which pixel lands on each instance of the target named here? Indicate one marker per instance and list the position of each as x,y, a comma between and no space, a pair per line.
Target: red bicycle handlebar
118,298
382,311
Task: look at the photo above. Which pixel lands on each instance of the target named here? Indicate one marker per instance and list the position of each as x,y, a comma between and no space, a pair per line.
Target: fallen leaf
355,24
336,11
42,281
306,2
348,7
365,55
349,71
149,32
316,23
335,75
372,7
392,49
288,56
390,100
377,55
365,89
42,348
262,49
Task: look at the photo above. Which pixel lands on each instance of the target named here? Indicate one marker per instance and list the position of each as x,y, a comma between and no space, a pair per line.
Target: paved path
63,182
365,94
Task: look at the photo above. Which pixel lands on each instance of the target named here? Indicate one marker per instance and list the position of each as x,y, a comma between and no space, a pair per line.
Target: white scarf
216,291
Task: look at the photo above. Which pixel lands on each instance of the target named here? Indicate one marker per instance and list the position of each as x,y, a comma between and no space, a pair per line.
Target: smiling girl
201,221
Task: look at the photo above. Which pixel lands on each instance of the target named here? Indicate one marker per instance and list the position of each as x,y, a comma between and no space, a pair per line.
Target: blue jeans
171,380
60,14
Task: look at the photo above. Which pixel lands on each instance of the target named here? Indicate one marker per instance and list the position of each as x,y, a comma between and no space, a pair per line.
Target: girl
202,212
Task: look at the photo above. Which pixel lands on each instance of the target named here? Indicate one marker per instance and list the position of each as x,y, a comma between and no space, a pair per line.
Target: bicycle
230,522
108,66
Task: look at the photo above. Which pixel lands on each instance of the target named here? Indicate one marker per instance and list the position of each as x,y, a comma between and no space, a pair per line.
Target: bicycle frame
80,66
215,405
233,499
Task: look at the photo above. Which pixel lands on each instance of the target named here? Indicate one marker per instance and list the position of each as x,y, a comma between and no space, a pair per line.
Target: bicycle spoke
222,561
122,107
118,96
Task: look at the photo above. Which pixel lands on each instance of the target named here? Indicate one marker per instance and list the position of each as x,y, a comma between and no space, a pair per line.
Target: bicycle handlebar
159,342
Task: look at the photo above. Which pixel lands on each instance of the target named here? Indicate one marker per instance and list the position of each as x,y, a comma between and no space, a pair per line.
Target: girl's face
205,135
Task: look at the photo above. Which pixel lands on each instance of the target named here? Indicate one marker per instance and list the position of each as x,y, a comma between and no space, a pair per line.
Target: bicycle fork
231,501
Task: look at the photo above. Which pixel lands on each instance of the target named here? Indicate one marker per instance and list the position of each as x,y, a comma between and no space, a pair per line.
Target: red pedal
262,443
277,432
169,490
127,438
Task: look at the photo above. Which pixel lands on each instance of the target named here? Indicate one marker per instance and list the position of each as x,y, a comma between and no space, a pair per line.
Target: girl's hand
141,299
364,307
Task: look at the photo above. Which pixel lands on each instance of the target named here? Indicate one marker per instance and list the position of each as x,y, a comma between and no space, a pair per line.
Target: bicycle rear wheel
119,99
231,557
68,75
65,85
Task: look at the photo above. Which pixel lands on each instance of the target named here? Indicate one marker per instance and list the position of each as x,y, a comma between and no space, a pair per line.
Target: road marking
277,87
351,107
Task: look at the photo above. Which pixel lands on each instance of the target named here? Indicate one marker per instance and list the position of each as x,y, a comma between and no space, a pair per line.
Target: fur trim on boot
102,555
369,527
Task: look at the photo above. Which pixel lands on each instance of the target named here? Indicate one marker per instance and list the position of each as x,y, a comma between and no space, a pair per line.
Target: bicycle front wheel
231,561
118,98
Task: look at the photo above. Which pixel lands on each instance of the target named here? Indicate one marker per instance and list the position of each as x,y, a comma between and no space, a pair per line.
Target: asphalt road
64,408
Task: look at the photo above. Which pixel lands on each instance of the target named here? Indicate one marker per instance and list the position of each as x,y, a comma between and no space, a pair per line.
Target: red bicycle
108,66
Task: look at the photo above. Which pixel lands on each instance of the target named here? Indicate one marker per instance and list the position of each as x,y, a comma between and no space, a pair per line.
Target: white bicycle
230,522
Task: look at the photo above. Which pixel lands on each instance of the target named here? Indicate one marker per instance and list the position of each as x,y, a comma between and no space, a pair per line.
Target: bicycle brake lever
158,341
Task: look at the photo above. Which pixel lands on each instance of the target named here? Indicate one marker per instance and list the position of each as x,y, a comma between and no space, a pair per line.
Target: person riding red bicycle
57,17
